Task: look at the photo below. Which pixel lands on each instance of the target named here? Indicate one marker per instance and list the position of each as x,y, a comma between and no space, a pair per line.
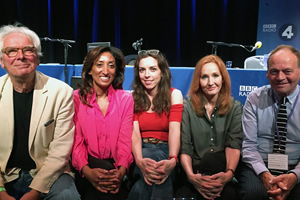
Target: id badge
278,161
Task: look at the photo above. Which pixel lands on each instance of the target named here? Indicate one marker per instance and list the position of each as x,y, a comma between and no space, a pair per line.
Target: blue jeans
141,190
62,189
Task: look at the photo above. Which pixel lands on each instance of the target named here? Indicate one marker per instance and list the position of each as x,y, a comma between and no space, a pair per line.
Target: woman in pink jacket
103,120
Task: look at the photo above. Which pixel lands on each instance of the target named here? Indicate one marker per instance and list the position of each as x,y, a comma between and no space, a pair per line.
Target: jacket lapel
38,105
6,108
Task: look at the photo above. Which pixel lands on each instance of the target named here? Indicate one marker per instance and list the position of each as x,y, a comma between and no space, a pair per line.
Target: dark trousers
251,187
210,164
89,192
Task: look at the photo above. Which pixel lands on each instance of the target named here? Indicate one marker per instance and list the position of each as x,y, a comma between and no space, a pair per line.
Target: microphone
45,38
257,45
136,44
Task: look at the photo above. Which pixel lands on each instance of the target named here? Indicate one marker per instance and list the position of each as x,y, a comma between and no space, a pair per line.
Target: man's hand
4,196
31,195
266,177
285,183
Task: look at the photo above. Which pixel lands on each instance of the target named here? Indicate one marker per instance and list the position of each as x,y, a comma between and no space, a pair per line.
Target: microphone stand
216,44
66,44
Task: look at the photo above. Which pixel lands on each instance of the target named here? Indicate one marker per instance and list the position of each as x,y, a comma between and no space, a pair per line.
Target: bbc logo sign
247,88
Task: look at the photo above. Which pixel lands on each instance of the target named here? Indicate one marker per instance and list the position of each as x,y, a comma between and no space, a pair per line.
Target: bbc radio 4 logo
246,89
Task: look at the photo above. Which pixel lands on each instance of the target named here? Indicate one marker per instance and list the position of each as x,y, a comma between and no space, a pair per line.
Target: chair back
255,62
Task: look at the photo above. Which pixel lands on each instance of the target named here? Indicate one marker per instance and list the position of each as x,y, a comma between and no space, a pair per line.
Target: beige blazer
49,145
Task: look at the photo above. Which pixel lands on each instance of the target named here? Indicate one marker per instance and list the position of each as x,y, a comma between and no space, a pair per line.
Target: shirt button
212,115
211,139
211,127
211,149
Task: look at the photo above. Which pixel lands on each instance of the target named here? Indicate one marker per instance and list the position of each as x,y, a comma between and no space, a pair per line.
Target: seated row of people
203,135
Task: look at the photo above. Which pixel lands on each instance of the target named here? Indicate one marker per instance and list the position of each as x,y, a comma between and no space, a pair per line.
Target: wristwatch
2,189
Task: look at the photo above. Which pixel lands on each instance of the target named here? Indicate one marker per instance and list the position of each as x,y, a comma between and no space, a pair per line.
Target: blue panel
243,81
278,23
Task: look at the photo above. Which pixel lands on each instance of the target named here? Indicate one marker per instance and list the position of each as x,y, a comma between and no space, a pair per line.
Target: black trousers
210,164
89,192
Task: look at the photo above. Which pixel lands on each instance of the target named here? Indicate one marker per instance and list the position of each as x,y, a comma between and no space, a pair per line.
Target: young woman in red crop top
156,133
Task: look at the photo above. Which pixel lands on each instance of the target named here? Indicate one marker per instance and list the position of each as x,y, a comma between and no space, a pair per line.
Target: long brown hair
196,93
87,90
162,100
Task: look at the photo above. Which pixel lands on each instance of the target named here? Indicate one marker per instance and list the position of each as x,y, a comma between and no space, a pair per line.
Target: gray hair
8,29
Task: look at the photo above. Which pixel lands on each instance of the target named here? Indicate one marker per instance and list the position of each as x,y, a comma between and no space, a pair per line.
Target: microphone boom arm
216,44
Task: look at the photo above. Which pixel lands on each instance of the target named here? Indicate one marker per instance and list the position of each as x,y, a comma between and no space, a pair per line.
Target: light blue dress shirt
258,120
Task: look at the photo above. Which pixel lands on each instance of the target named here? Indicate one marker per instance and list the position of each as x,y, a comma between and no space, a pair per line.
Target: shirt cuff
259,168
297,173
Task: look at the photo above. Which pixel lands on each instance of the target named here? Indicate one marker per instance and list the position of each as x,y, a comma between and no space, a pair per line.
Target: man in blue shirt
257,177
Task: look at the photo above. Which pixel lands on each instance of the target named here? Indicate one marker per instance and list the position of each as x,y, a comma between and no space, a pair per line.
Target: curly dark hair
162,100
86,89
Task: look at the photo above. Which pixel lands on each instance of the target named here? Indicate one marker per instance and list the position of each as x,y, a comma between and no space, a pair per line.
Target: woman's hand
119,175
164,168
223,177
103,180
147,167
208,187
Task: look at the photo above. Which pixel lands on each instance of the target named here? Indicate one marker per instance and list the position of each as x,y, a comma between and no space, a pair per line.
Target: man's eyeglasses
151,51
13,52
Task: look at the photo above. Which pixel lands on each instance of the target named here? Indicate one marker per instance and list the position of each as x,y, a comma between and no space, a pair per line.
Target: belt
154,141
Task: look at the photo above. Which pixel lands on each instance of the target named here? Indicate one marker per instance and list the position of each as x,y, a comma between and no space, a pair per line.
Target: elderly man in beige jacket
36,123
